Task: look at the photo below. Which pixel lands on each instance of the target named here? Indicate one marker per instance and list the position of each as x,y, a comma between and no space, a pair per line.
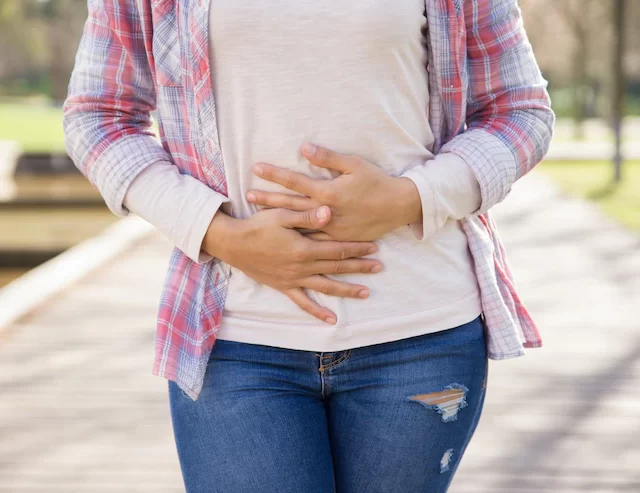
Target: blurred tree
572,38
572,41
63,20
19,42
40,36
619,82
584,18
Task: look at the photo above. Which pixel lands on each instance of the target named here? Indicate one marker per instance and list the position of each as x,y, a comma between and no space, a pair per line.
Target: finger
287,178
281,200
309,219
350,266
319,236
331,287
326,158
340,250
300,298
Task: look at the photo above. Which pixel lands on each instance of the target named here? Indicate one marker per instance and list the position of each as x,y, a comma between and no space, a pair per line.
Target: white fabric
448,190
180,206
351,78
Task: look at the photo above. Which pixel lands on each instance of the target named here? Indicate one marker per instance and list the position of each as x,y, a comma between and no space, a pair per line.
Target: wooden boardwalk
80,412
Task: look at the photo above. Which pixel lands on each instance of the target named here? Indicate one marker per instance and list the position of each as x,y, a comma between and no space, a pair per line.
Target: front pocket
166,46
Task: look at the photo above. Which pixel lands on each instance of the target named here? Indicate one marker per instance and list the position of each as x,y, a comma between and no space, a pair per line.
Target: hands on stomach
347,213
268,248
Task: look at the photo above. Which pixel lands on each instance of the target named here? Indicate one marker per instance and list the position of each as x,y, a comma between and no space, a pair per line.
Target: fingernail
258,170
373,249
322,213
364,293
330,320
251,197
376,268
309,149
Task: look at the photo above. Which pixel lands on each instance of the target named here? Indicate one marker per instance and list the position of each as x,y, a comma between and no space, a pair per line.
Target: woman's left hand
365,202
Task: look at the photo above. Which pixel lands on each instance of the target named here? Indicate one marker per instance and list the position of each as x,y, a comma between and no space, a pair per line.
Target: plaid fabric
489,105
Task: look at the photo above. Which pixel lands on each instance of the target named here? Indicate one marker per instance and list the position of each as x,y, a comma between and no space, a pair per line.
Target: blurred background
571,230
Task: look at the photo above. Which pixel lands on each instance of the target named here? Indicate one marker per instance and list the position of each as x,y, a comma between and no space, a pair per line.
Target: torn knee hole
447,402
446,461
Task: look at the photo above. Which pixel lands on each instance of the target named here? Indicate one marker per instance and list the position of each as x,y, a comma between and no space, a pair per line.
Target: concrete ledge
45,163
26,293
9,153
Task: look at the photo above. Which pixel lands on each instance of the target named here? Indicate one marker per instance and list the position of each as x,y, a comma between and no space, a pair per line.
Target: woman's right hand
267,248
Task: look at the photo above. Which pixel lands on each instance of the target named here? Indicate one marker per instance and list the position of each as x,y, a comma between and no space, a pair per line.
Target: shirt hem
329,338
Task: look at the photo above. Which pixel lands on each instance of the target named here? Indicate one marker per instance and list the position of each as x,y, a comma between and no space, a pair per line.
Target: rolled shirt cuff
448,191
179,206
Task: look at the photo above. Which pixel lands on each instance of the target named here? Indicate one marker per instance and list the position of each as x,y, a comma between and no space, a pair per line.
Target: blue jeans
386,418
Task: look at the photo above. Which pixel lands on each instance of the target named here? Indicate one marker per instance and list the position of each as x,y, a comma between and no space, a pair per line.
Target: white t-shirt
351,78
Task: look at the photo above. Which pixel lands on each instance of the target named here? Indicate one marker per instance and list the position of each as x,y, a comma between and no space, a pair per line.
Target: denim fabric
392,417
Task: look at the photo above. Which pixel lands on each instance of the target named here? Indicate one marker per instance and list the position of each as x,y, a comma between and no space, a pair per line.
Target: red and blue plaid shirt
488,105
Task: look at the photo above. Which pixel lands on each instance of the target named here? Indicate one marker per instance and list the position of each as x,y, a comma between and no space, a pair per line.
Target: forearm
223,232
407,203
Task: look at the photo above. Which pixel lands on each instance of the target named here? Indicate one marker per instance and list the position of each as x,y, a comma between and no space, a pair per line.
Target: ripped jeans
386,418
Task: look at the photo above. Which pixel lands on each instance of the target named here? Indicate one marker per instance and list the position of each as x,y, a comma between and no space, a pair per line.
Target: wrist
407,202
221,234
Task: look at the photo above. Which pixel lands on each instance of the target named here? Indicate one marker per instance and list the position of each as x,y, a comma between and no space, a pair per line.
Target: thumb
309,219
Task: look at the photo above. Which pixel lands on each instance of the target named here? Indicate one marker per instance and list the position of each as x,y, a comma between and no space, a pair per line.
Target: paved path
598,143
596,129
80,412
590,151
566,418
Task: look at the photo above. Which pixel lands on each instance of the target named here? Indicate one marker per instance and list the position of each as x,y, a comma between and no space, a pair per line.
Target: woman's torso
351,78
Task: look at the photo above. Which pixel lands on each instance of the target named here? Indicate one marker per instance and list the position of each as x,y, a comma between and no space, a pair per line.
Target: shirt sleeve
107,114
448,190
179,206
509,120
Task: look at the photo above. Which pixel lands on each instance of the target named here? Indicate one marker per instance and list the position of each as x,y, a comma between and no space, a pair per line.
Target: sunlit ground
593,180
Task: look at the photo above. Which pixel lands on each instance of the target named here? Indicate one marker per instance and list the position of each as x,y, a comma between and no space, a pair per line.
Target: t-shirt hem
327,338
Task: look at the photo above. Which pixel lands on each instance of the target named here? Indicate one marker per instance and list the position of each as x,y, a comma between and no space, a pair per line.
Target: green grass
593,180
37,128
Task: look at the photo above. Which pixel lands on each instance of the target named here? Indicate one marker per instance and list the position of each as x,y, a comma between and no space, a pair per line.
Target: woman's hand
365,202
268,249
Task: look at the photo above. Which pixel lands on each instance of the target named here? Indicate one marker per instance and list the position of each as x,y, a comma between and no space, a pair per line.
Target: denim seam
337,362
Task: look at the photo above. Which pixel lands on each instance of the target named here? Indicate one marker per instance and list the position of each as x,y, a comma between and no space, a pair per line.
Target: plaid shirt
488,105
